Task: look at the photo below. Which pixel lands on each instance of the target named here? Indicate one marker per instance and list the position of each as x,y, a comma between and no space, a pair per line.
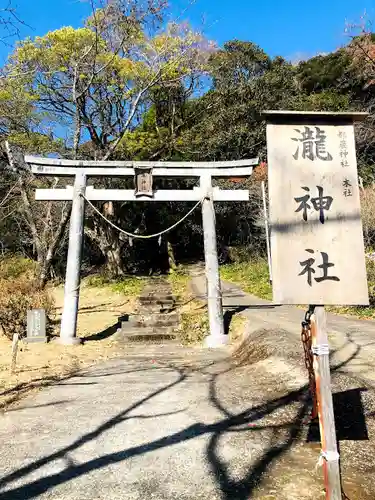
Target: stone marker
36,325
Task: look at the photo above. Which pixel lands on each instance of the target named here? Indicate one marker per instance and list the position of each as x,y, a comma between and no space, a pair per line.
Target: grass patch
179,280
362,312
39,365
237,327
194,325
130,286
253,277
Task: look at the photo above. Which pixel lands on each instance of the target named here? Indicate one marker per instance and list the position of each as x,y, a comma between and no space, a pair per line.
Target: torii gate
142,171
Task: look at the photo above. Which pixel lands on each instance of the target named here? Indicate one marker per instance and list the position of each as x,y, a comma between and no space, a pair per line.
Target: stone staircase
155,319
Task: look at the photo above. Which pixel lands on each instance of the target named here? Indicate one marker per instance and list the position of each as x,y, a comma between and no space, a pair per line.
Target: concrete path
163,423
352,340
171,423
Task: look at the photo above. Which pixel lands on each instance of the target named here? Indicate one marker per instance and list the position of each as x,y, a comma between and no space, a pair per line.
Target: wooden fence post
329,453
13,361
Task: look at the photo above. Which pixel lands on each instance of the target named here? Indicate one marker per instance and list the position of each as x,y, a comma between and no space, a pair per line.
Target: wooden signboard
317,244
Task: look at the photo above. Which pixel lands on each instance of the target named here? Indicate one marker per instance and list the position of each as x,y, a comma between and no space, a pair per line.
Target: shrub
15,266
17,296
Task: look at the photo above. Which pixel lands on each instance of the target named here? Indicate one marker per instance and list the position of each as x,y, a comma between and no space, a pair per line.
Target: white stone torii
81,170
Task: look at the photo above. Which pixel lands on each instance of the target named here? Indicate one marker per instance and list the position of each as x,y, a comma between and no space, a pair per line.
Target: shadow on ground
247,421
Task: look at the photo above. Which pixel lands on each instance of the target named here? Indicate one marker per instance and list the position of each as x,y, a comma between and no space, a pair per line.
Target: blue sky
292,28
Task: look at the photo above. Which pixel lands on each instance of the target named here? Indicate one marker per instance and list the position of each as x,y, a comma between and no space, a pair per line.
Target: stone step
145,329
156,300
153,320
158,309
146,335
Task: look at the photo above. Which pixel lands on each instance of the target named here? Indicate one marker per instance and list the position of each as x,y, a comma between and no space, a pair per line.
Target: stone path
155,318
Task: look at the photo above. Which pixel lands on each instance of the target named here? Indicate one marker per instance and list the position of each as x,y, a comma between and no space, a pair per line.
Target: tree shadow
107,332
229,422
229,314
19,408
350,419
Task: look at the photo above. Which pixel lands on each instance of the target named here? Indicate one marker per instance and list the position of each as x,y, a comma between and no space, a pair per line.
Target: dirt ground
40,364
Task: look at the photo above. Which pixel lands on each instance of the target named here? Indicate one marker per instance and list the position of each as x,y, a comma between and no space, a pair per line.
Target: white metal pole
267,231
214,297
72,279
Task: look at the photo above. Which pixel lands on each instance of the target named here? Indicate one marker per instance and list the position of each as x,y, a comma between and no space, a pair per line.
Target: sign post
317,247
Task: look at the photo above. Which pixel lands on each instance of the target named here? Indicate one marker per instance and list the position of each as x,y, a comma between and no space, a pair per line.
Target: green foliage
159,75
253,277
99,77
36,143
138,144
326,72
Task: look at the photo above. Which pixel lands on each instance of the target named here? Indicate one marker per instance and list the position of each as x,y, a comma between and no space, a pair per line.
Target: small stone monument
36,326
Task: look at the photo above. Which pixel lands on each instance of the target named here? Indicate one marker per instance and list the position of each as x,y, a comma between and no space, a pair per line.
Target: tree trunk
44,270
171,257
110,247
113,263
45,261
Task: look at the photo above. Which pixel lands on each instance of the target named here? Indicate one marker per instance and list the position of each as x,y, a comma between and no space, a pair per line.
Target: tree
97,82
46,225
245,81
27,226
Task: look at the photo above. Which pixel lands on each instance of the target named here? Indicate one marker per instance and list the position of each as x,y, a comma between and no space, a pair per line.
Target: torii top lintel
57,167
